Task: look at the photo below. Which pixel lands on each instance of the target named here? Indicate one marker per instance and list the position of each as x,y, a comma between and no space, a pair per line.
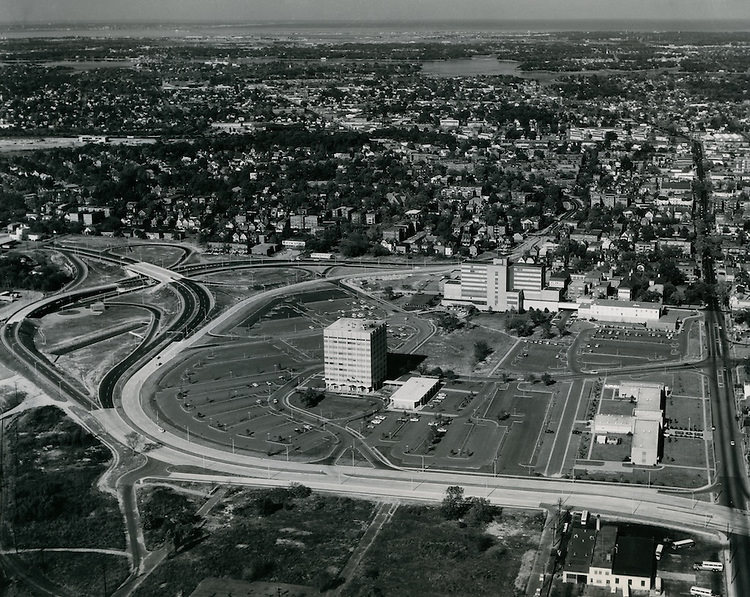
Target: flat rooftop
605,545
647,395
646,434
634,556
625,304
353,325
415,388
580,549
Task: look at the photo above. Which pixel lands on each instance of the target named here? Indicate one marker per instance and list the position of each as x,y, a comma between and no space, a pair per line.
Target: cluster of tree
474,511
311,397
449,322
524,324
268,502
448,374
20,271
168,516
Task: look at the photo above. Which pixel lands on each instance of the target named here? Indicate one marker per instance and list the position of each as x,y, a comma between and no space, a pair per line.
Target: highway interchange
118,411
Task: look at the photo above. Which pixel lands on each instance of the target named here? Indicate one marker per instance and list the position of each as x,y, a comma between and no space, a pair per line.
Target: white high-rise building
355,353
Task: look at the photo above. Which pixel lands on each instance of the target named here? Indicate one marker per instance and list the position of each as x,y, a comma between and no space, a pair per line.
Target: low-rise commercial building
600,555
644,424
414,392
620,311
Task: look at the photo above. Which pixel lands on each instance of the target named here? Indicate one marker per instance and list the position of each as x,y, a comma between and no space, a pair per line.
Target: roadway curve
652,504
646,503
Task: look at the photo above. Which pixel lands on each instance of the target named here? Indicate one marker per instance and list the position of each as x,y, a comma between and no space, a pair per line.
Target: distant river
471,67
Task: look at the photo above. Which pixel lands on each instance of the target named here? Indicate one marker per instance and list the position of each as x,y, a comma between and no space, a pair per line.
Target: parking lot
612,347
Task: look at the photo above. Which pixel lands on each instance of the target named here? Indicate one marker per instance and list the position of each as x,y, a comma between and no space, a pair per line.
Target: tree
481,350
547,379
312,397
479,512
453,503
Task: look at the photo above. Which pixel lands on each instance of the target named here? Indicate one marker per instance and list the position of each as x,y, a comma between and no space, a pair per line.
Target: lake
471,67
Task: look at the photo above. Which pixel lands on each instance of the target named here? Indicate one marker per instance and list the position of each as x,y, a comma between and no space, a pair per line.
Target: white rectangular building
355,353
620,311
414,392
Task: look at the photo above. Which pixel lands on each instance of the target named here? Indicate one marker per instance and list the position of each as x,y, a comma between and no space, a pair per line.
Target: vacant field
269,535
53,465
406,283
84,574
682,451
92,363
612,452
161,255
101,272
684,413
455,350
537,356
419,553
59,328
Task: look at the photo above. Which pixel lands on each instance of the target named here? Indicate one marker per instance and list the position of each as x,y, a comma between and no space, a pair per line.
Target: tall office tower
355,353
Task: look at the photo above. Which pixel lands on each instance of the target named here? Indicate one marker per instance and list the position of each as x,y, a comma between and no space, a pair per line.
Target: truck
659,550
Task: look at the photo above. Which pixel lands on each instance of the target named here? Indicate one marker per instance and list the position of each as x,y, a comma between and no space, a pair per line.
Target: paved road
729,449
645,504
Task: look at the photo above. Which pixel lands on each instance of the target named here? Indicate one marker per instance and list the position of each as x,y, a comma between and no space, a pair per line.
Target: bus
659,549
683,543
707,565
702,592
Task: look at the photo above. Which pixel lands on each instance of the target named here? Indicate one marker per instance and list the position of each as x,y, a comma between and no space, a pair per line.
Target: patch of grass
275,535
420,551
163,511
51,469
82,574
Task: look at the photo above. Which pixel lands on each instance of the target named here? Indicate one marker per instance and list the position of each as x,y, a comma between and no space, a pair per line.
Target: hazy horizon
259,12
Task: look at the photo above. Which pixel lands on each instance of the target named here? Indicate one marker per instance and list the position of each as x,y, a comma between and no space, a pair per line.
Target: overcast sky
368,10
